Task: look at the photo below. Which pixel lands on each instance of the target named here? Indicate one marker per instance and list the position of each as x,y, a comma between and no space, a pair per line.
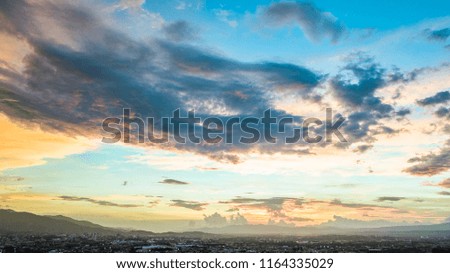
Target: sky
65,66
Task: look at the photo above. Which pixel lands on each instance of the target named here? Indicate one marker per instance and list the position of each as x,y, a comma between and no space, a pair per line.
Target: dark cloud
446,193
355,88
358,81
179,31
97,202
430,164
389,198
71,86
193,205
438,35
403,112
173,182
315,23
385,130
438,98
363,148
443,112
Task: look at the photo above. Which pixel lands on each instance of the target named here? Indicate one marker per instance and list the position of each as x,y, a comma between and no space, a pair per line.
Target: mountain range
12,222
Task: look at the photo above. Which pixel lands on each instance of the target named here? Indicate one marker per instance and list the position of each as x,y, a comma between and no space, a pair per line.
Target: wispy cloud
432,163
389,198
173,182
97,202
193,205
11,178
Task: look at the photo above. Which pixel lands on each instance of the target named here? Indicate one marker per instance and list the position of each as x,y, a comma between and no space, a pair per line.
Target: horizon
338,226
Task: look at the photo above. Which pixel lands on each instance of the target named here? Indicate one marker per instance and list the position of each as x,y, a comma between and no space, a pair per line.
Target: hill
24,222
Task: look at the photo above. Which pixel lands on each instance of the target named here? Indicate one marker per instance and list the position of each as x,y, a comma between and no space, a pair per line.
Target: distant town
203,243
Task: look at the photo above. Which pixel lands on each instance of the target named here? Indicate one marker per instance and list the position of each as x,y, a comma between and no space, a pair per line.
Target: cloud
438,98
73,79
181,5
446,193
153,203
273,204
357,84
300,219
179,31
363,148
11,179
78,78
215,219
193,205
276,204
226,158
338,202
281,223
238,219
438,35
131,4
224,16
355,89
403,112
173,182
316,24
97,202
345,186
443,112
343,222
445,183
431,164
389,198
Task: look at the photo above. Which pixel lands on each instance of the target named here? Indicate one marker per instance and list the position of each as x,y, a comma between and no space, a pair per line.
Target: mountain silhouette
24,222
